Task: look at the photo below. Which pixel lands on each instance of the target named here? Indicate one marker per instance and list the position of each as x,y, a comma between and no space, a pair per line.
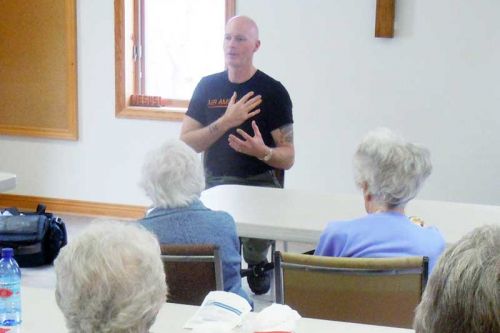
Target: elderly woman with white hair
173,178
390,173
463,292
110,279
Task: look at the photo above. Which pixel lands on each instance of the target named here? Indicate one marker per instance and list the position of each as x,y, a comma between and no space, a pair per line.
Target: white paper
274,318
220,311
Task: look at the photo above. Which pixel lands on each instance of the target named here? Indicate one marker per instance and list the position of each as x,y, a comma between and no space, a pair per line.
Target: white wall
437,82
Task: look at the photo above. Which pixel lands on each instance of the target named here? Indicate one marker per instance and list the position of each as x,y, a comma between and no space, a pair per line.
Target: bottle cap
7,252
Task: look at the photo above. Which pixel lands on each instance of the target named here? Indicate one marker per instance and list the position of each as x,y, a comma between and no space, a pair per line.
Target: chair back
280,175
378,291
192,271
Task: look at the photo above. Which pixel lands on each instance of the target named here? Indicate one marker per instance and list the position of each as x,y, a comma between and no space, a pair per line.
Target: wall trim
73,207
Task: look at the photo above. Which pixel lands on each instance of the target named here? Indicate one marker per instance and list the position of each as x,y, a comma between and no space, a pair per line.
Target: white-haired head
463,293
110,279
172,175
390,169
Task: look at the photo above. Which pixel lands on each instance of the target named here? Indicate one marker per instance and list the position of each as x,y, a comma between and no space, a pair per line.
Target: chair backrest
280,175
192,271
378,291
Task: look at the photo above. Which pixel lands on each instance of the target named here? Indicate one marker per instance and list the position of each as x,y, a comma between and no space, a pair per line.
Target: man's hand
238,112
249,145
200,138
281,157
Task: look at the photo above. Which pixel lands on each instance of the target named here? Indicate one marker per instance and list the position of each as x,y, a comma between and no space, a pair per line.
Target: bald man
241,119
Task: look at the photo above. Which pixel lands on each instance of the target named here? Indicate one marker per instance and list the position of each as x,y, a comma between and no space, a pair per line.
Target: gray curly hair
463,293
110,279
172,175
392,169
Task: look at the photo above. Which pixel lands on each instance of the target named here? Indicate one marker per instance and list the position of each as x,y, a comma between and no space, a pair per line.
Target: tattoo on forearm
286,133
213,128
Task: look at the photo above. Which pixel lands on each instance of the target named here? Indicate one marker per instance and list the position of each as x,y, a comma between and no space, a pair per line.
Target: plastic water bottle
10,292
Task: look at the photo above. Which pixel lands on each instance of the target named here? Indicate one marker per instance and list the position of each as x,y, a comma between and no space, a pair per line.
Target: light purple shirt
381,235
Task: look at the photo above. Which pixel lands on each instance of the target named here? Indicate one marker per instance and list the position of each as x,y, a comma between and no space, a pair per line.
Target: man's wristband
268,155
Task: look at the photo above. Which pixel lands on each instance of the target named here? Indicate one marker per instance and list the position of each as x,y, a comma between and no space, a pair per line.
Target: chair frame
215,258
200,258
280,265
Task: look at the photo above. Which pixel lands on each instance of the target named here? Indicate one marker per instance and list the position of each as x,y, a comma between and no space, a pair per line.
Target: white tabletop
41,314
301,216
7,181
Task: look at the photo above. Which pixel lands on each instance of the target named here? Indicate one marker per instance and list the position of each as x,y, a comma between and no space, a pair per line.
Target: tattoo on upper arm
286,134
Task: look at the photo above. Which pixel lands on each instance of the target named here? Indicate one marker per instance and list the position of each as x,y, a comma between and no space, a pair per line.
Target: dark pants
254,249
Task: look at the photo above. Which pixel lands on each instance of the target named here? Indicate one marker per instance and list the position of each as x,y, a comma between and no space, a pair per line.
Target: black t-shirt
209,102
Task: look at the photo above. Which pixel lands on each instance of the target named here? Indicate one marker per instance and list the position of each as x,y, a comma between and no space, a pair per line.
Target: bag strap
40,209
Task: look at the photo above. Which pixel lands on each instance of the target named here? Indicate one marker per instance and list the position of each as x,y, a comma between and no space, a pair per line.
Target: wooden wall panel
38,88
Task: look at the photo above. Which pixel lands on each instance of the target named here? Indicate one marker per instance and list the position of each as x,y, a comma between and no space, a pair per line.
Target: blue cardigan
196,224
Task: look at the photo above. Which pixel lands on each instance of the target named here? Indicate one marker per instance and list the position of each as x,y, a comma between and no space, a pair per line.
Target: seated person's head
110,279
389,170
463,292
172,175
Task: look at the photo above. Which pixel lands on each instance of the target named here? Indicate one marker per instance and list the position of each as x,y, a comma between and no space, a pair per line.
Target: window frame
125,72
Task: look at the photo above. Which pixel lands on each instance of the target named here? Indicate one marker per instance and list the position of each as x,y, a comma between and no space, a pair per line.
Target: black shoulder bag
36,237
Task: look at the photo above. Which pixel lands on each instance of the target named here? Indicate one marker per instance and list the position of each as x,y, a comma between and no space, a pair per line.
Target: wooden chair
192,271
378,291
